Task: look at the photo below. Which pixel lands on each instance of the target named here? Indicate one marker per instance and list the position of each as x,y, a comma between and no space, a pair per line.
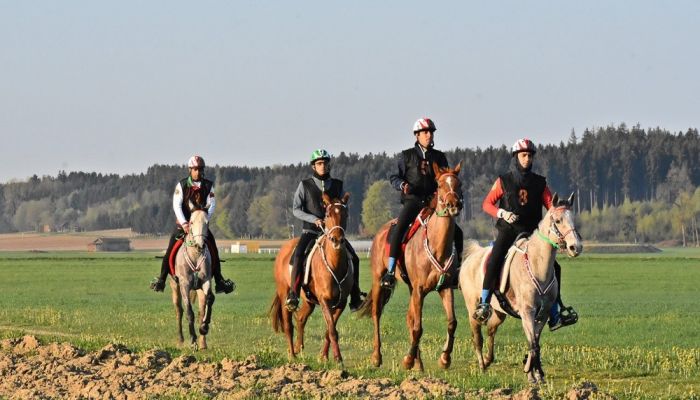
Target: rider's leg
560,315
297,263
158,283
356,294
222,285
504,240
408,213
457,264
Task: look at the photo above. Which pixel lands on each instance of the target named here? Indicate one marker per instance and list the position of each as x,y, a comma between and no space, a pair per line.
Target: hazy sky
119,86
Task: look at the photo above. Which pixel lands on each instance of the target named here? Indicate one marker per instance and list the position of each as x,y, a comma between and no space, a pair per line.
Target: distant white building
239,248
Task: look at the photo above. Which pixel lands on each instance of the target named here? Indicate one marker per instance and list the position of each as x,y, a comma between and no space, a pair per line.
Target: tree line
631,184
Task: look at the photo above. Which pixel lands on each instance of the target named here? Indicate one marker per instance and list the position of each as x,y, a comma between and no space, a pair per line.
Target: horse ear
326,199
345,198
555,199
458,167
437,171
571,199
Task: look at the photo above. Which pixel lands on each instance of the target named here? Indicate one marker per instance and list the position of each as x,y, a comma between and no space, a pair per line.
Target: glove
406,188
508,216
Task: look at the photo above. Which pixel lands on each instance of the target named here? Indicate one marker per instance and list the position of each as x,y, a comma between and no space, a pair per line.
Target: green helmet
319,154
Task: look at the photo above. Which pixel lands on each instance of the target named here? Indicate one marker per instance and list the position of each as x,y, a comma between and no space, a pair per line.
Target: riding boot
158,283
388,280
222,284
357,297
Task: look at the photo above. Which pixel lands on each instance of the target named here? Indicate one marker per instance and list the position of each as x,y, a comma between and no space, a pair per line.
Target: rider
182,201
520,194
308,207
416,182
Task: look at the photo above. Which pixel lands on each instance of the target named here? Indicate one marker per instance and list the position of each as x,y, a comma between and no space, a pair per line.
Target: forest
631,185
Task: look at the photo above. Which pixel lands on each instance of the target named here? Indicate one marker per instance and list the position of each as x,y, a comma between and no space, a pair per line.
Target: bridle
442,199
561,237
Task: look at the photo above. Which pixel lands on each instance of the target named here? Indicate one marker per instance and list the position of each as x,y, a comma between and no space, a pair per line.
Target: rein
329,268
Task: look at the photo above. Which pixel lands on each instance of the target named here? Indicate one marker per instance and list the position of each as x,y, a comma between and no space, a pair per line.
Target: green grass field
638,334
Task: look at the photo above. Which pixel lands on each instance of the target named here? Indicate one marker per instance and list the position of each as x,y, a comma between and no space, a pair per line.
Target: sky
115,87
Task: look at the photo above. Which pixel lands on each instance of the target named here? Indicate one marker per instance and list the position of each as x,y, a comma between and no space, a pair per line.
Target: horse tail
470,249
365,309
276,314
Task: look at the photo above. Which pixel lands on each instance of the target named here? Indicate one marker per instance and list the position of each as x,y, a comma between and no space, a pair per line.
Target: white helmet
424,124
523,145
195,162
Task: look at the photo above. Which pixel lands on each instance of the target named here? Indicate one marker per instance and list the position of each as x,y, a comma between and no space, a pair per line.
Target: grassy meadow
638,334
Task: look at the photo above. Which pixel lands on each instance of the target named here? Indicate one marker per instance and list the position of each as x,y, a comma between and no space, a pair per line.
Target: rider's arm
211,203
489,204
398,180
547,198
177,205
297,206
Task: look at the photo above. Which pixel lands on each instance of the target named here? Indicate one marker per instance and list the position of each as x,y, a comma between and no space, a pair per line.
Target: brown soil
29,369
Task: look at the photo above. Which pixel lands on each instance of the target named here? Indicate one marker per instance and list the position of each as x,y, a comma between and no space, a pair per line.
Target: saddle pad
515,248
412,229
173,254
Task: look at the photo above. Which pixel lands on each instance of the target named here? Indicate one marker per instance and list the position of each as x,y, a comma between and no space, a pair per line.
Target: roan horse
193,275
532,286
330,281
428,255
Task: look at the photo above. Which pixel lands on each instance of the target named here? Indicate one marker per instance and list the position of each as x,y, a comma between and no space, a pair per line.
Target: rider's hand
319,223
186,227
508,216
405,188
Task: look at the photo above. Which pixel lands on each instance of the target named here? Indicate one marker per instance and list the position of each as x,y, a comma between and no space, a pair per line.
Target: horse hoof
418,365
377,361
408,362
445,361
323,358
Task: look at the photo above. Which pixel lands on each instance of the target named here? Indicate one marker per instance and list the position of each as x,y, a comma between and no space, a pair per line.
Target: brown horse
532,286
330,281
428,256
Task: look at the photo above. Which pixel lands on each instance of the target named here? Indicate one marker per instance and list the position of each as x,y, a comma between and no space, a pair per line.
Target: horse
532,286
428,258
330,280
193,276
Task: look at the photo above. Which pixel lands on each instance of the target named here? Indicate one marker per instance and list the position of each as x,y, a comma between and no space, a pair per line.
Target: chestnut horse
330,281
532,285
429,254
193,275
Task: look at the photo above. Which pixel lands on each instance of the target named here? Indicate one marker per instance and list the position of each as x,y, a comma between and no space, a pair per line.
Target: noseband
442,200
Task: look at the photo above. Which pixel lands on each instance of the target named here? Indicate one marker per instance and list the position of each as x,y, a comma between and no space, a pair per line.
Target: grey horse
531,287
193,276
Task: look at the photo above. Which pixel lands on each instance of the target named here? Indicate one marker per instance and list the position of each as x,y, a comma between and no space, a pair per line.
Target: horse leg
449,305
492,326
302,317
331,334
205,307
185,292
477,340
532,364
177,302
415,326
202,303
288,326
377,308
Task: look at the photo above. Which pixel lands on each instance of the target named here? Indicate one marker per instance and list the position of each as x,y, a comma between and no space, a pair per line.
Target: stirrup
225,286
388,281
157,284
292,303
568,316
482,313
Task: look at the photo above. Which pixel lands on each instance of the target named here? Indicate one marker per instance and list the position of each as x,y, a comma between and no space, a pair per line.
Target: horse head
562,227
199,223
449,191
335,219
